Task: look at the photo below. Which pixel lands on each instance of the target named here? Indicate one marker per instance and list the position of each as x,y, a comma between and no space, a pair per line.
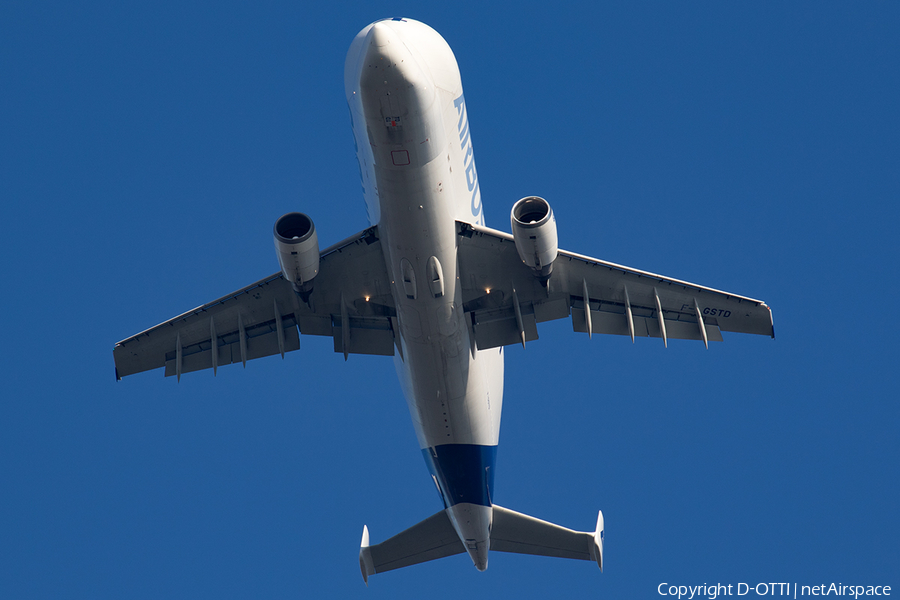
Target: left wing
505,301
351,302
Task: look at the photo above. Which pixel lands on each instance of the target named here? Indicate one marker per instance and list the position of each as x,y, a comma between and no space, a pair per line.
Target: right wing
262,319
505,301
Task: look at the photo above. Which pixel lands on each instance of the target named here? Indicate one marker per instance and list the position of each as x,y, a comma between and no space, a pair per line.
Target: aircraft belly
414,151
415,155
446,388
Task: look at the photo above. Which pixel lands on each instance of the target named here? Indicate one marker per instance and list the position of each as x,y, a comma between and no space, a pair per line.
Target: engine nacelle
297,246
534,229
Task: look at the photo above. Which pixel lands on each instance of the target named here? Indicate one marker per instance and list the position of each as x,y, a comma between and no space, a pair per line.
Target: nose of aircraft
385,51
380,35
389,65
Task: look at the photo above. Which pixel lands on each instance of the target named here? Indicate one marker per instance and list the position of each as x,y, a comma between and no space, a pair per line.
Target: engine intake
297,246
534,230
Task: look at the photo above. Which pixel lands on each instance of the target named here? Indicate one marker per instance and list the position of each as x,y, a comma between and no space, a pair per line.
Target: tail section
436,537
472,523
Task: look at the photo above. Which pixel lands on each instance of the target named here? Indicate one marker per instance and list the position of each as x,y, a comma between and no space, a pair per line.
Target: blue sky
147,149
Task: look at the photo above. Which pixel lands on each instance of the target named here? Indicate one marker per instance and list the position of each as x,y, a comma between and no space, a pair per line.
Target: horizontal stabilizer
514,532
511,531
430,539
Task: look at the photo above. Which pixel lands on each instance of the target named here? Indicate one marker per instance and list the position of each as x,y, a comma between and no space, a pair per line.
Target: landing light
367,298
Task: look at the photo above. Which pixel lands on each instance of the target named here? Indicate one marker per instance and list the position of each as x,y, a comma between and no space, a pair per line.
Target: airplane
429,284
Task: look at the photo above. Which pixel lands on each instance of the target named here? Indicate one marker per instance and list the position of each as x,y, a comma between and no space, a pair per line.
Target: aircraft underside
430,285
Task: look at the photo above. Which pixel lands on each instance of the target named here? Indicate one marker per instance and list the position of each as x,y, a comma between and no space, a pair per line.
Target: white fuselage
418,174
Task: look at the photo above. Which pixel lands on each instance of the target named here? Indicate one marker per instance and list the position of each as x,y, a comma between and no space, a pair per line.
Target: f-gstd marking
712,312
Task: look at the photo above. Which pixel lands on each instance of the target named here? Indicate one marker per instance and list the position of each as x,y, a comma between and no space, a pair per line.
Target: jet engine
534,229
297,246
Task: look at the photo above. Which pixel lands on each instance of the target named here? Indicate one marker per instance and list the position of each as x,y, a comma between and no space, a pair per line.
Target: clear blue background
147,148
